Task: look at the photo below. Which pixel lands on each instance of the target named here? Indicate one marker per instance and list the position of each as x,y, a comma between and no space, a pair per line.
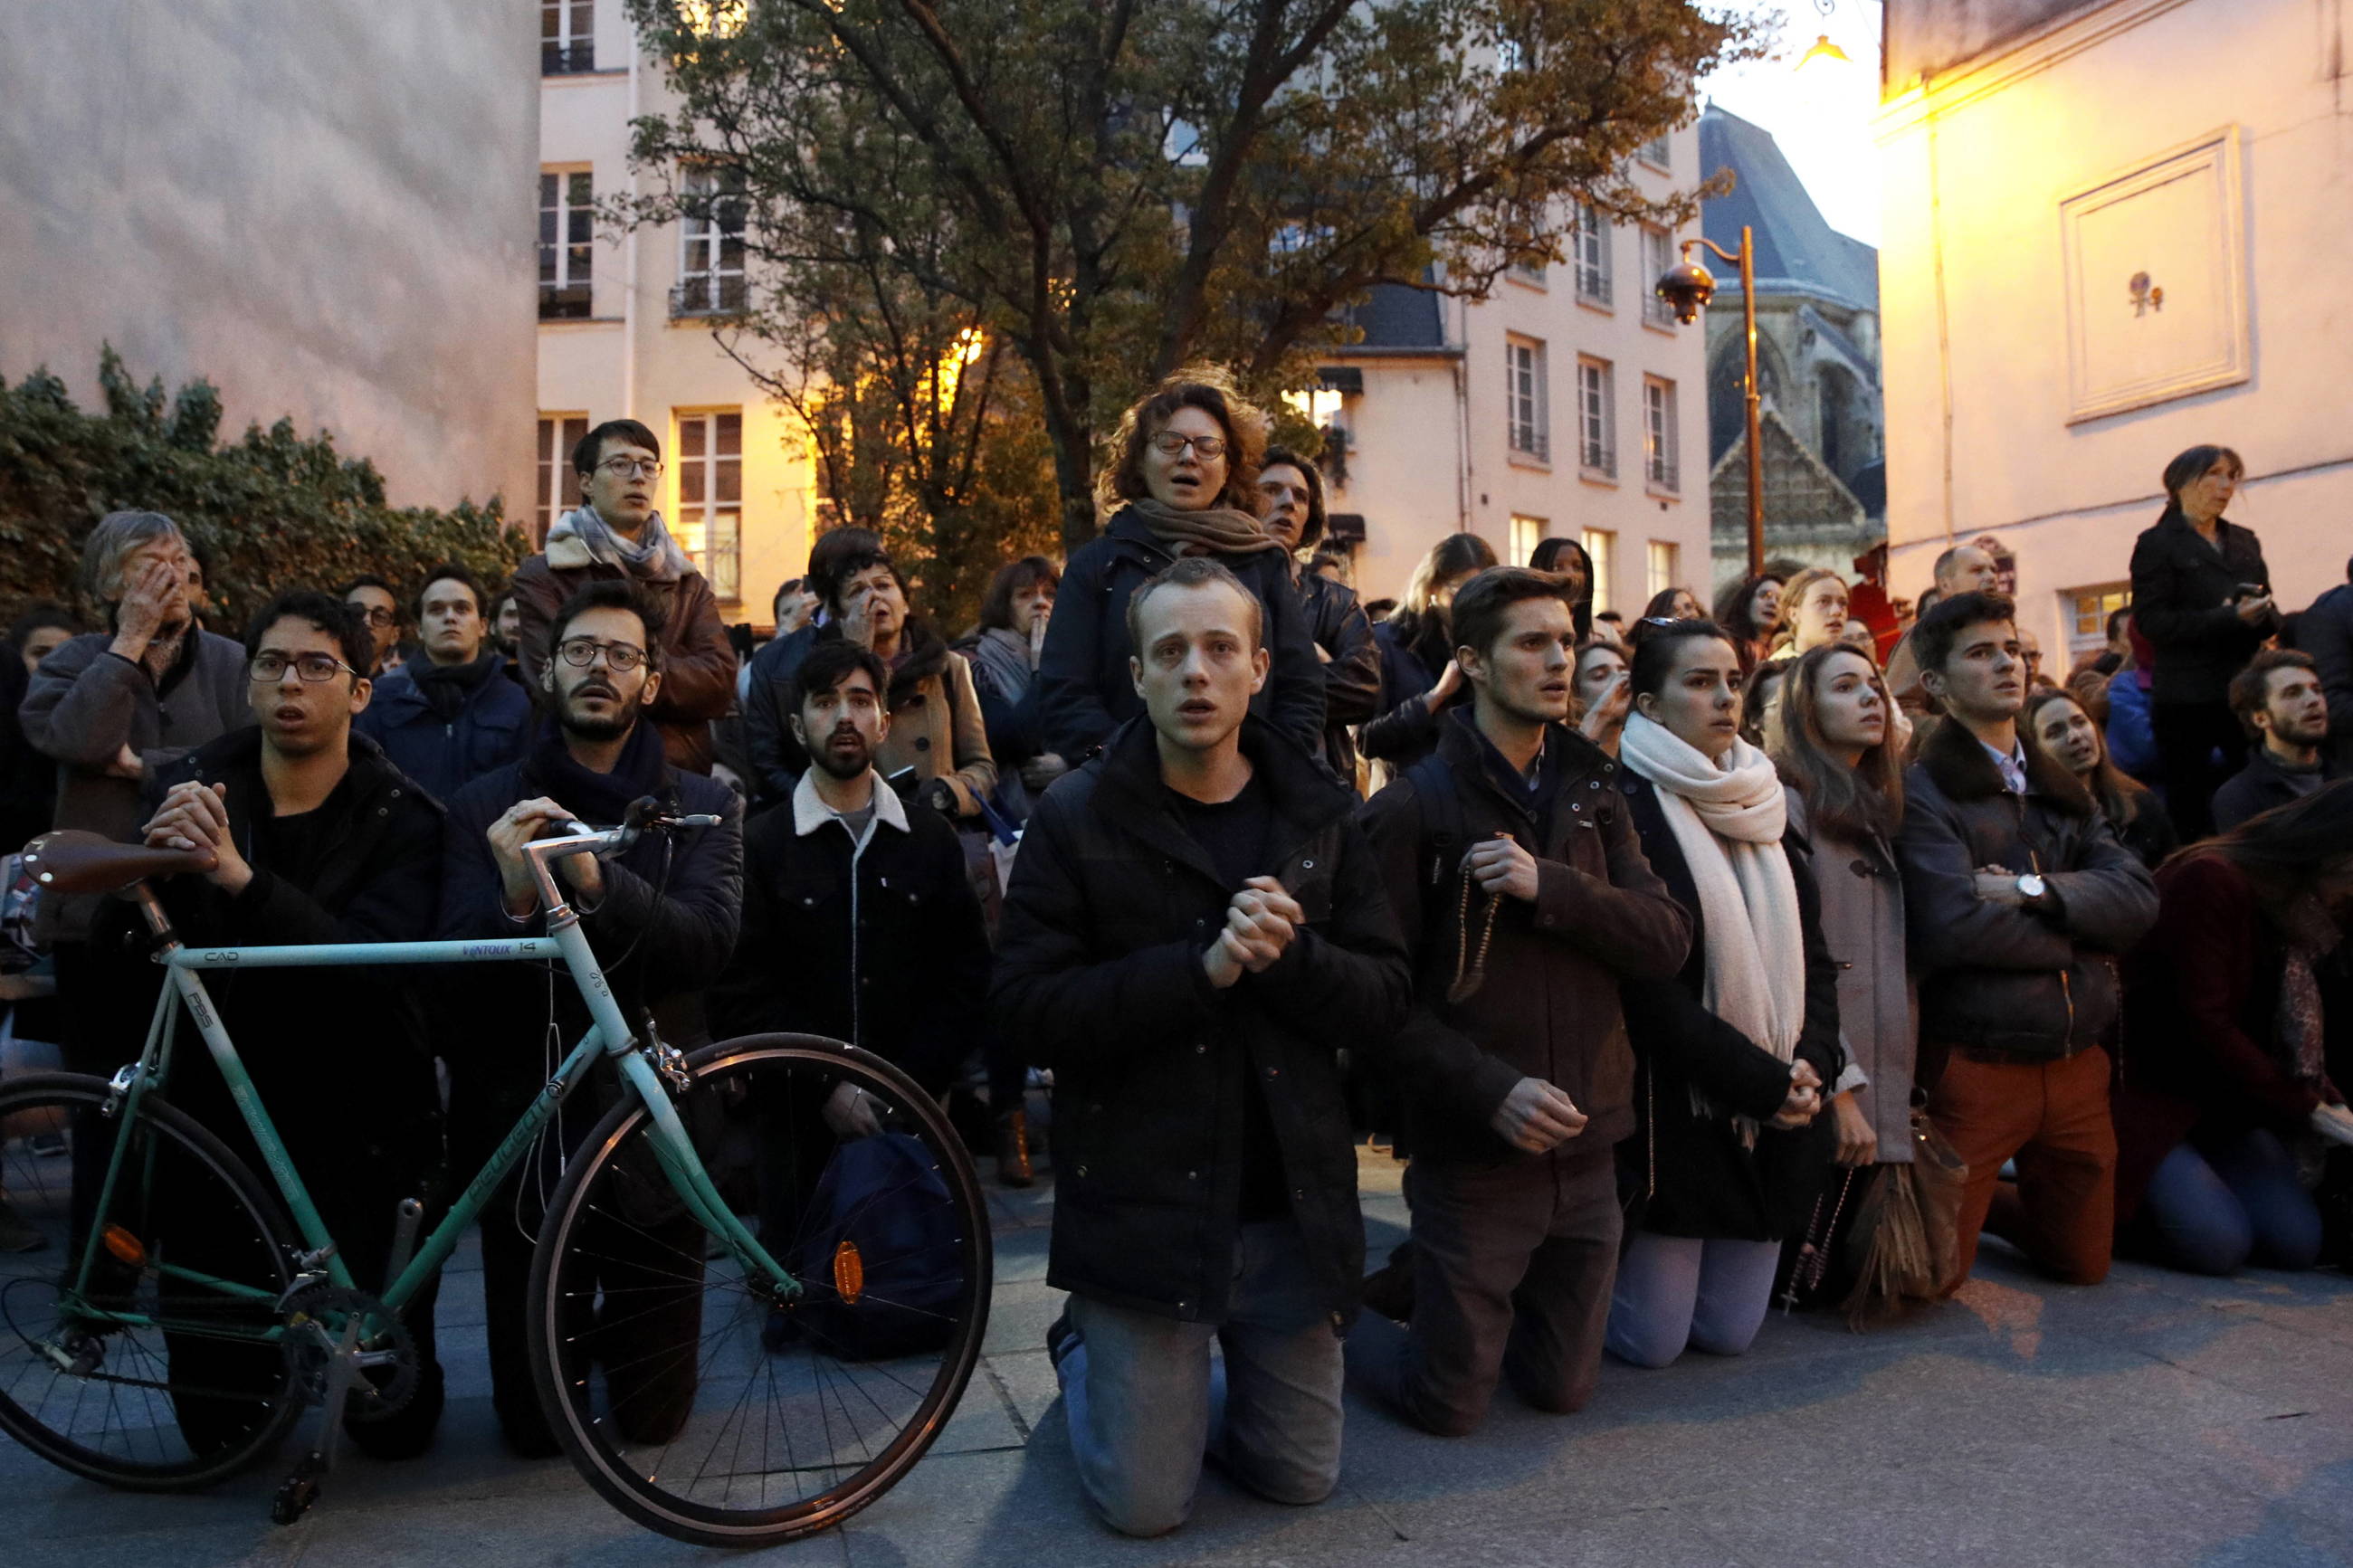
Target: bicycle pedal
298,1491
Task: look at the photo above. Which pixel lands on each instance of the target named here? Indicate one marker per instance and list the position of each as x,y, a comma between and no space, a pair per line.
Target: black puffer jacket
2182,593
1686,1171
1086,691
1549,1005
1099,976
1994,977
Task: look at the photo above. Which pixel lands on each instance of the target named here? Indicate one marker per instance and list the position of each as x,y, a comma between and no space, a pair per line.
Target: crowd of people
1652,949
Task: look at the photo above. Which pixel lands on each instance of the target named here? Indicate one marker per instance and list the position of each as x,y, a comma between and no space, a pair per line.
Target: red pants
2052,1118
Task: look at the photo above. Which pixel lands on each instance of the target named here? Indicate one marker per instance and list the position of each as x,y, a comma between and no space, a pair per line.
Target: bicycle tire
772,1080
253,1235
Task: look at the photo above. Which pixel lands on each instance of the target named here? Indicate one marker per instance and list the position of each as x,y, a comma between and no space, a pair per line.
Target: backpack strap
1442,814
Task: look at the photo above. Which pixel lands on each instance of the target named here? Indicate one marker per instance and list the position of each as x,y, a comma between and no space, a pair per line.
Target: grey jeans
1144,1399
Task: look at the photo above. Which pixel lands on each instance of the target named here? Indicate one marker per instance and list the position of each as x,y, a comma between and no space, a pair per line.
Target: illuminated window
2088,610
709,525
567,234
1527,533
1664,569
1601,545
559,482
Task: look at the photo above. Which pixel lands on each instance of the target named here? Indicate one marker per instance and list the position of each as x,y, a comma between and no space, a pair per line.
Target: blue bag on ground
880,1252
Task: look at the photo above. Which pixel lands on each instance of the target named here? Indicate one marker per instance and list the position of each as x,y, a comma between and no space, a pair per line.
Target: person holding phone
1735,1052
2202,596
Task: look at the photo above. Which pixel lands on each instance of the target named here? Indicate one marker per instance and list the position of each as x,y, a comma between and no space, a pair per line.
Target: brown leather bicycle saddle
71,860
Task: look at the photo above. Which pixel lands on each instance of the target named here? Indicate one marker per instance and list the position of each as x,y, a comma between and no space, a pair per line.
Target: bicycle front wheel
149,1364
694,1397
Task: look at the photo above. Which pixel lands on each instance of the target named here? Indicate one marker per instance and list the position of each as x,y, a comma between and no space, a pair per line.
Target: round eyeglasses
581,652
1170,444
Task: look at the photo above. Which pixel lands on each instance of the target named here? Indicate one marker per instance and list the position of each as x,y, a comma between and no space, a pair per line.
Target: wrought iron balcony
574,58
709,294
567,303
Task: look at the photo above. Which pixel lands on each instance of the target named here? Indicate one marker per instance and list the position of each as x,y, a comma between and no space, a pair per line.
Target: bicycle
789,1389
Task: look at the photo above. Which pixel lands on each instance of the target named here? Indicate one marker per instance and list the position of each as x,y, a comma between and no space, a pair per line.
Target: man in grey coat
2017,894
112,707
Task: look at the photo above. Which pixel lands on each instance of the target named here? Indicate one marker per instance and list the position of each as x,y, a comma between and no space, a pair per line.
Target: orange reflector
125,1246
849,1272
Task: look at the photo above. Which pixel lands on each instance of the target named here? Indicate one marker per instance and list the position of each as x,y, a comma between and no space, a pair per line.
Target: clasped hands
194,816
1261,921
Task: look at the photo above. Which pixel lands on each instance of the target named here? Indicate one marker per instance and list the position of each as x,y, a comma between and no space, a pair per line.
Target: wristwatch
2030,886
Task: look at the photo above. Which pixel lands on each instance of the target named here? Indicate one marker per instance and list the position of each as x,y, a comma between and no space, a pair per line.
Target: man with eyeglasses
372,600
315,837
662,917
617,535
447,715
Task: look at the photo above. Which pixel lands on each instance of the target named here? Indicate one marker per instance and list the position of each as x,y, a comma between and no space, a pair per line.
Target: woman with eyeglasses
1184,482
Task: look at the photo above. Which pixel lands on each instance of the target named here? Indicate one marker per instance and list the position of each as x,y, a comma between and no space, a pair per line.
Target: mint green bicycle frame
609,1034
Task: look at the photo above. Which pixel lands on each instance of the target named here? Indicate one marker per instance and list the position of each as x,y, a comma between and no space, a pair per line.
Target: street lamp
1687,289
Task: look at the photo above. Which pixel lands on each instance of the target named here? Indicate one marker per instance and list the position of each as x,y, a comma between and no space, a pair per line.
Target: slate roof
1793,242
1397,317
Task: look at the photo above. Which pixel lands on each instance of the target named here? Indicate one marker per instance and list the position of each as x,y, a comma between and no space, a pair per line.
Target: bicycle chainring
314,1322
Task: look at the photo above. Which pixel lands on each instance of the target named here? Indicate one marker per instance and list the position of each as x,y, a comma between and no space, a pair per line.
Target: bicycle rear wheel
693,1400
191,1247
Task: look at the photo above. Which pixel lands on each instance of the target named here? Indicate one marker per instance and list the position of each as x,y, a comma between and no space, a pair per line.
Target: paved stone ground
2161,1419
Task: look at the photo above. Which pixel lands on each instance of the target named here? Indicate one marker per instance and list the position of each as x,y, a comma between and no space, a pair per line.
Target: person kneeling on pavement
1193,931
1509,856
661,916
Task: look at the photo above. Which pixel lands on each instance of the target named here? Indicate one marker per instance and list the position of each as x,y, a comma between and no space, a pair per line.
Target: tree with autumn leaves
978,225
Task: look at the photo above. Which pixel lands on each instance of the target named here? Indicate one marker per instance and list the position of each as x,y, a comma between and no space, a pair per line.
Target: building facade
2085,271
1816,363
629,323
320,207
1569,403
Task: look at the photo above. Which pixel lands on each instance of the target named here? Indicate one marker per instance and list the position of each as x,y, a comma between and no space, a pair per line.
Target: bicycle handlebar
579,838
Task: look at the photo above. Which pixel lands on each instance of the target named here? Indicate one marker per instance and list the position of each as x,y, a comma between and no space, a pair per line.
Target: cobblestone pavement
2160,1419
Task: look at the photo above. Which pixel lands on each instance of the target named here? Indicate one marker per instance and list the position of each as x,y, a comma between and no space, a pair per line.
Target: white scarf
1728,819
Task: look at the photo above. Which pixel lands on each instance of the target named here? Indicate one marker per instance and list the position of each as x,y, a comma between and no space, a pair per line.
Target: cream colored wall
632,360
1416,478
1976,168
326,208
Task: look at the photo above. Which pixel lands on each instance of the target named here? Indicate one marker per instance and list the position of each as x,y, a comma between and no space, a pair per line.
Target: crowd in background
1674,956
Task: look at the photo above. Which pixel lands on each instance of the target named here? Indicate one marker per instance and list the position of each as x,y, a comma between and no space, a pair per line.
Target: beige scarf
1213,530
1728,819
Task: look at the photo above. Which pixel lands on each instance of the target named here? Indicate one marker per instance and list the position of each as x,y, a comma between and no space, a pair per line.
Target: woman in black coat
1186,483
1729,1148
1418,675
2202,596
